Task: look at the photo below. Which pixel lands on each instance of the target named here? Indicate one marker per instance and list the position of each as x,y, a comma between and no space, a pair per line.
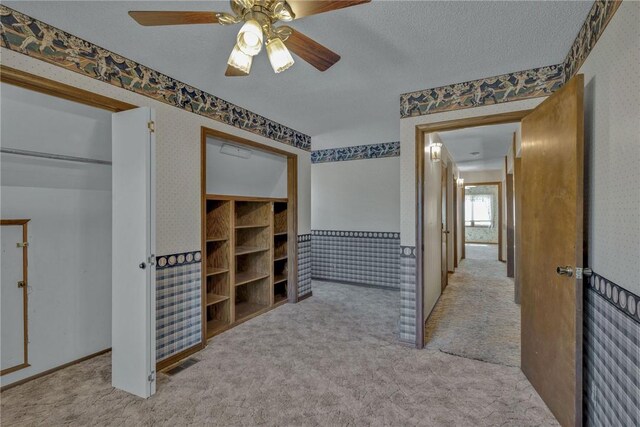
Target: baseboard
177,358
363,285
52,370
304,297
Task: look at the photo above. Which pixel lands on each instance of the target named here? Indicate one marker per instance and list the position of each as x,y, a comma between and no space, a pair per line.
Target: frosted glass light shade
239,60
279,55
250,38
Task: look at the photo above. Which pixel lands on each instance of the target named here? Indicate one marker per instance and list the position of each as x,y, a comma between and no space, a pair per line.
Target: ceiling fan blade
311,51
303,8
234,72
151,18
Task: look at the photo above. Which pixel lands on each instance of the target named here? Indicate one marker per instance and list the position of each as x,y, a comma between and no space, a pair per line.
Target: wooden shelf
248,277
251,226
280,233
278,278
244,250
217,239
246,309
214,271
279,298
215,326
280,258
215,299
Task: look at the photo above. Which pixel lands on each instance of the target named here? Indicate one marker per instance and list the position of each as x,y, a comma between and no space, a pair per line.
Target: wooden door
552,197
133,271
444,258
13,296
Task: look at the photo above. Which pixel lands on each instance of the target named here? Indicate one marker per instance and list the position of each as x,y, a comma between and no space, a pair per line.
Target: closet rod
52,156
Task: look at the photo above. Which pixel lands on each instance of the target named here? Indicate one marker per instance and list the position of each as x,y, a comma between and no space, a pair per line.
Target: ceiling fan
260,18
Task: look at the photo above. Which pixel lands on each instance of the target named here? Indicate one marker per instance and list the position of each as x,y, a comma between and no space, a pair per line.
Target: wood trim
463,236
203,235
14,221
494,119
421,130
304,297
246,142
455,224
52,370
46,86
171,361
420,158
292,229
243,198
292,220
25,294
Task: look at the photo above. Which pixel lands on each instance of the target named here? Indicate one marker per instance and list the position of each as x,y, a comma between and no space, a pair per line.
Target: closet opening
249,230
64,155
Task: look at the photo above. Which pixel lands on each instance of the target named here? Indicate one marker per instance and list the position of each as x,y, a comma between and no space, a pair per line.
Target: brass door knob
567,270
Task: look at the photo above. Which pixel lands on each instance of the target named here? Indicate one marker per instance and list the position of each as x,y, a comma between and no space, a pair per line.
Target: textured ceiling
387,48
491,143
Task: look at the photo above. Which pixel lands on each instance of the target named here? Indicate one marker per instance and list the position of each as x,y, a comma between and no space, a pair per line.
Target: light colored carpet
480,251
476,316
331,360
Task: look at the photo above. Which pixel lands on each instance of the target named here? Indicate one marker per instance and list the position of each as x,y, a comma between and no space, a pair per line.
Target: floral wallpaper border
34,38
490,90
513,86
599,16
356,152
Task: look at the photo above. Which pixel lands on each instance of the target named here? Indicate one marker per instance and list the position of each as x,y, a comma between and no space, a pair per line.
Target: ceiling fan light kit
259,18
240,60
279,55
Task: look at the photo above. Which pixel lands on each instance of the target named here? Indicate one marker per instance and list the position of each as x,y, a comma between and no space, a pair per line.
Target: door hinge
152,376
152,259
22,244
152,126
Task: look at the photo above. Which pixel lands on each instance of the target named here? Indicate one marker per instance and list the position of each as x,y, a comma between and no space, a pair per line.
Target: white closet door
133,293
13,297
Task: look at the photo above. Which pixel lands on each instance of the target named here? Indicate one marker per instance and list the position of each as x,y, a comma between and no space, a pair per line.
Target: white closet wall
69,205
261,175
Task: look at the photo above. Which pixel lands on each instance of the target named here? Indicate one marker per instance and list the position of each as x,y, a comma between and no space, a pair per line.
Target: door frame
420,142
25,293
500,216
54,88
444,225
292,208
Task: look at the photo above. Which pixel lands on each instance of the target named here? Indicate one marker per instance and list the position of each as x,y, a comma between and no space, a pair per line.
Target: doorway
68,163
548,221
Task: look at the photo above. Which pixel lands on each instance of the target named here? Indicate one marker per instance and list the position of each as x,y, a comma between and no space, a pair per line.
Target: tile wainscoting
304,265
178,304
358,257
611,354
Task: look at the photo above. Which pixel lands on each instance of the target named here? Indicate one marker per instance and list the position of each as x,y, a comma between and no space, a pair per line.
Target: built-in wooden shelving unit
246,259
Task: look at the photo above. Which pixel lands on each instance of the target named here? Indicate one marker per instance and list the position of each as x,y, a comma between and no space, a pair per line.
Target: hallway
476,316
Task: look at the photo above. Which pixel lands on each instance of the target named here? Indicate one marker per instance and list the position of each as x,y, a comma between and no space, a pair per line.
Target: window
478,210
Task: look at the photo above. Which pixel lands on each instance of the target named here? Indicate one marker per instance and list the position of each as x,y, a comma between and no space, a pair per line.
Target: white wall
69,205
261,175
177,157
482,176
356,195
612,149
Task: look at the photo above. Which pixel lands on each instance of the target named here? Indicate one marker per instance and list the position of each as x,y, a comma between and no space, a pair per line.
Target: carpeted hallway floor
331,360
476,316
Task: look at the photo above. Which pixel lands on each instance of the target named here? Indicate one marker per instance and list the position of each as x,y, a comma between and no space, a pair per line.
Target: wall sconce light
460,182
435,151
